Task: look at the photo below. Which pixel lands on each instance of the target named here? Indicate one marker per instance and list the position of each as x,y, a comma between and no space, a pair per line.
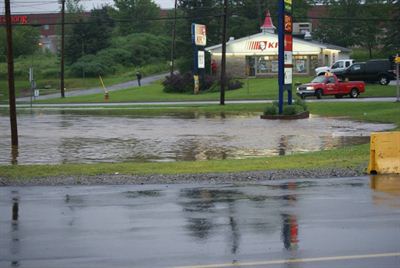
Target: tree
339,30
369,30
25,41
90,35
355,23
136,16
391,42
74,6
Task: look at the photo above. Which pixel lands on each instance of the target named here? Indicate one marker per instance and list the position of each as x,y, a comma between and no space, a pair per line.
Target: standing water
62,137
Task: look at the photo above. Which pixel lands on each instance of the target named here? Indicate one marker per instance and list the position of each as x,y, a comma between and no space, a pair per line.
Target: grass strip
349,157
255,89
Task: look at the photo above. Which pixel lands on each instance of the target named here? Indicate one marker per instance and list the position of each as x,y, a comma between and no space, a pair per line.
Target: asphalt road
81,92
341,222
119,104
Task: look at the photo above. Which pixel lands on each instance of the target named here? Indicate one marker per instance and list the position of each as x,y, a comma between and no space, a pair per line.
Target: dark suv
380,71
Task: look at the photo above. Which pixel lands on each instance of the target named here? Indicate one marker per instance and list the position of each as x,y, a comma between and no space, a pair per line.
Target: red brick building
47,23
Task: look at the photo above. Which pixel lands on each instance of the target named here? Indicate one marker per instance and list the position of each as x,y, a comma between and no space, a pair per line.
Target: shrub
271,110
292,109
300,102
184,83
234,84
50,72
92,66
297,107
178,83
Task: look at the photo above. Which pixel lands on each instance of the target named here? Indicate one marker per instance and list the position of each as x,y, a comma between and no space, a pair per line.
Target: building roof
272,37
268,26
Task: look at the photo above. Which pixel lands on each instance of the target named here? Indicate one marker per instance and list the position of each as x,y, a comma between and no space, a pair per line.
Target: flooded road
346,222
63,137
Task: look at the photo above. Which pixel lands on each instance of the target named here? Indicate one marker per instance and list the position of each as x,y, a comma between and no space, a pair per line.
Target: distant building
47,24
257,54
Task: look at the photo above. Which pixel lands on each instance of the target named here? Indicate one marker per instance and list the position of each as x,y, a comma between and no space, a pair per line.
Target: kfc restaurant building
257,55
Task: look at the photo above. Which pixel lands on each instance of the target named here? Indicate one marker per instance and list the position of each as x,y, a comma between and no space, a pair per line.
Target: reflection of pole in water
15,212
290,227
14,223
15,207
290,231
234,229
283,144
14,155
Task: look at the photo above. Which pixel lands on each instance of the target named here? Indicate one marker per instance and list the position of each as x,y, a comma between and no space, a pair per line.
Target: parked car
329,84
371,71
339,65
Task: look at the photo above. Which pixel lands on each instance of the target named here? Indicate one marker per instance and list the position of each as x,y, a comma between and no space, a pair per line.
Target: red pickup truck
330,85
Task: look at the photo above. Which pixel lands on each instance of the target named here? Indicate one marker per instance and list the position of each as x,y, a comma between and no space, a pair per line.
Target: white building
257,55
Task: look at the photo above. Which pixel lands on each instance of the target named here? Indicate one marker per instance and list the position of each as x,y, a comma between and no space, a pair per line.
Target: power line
217,15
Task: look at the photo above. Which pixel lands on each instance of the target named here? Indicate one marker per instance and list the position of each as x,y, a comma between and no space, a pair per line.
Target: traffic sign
397,59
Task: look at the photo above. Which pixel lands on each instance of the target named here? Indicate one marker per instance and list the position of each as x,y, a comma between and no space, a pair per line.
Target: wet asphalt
341,222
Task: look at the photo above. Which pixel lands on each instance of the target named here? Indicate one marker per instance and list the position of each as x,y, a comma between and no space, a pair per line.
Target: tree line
132,33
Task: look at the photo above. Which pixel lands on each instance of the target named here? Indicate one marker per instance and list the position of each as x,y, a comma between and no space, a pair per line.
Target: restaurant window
267,64
300,64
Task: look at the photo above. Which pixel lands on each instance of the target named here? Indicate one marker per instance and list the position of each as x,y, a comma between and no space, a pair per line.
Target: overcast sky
40,6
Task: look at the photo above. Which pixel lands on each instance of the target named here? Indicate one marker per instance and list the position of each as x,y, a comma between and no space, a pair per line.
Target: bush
300,102
271,110
92,66
178,83
234,84
292,109
184,83
297,107
50,72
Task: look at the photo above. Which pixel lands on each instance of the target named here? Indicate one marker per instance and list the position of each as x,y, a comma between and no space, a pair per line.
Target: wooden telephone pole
223,58
11,85
62,48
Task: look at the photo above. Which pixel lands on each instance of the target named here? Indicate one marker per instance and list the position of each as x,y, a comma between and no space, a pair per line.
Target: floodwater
227,225
63,137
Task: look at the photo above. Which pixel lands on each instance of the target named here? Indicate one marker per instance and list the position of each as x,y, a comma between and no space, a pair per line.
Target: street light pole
173,41
11,85
223,58
62,48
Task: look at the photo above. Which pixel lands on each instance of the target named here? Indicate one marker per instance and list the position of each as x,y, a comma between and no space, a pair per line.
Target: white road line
333,258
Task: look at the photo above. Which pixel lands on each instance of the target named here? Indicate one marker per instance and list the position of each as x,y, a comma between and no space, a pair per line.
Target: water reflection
209,210
387,189
146,193
15,241
290,231
65,137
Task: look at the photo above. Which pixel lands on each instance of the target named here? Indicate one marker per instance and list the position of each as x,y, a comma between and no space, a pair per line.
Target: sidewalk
81,92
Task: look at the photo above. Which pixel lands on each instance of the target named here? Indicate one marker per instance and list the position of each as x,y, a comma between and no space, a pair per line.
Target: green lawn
350,157
50,83
254,88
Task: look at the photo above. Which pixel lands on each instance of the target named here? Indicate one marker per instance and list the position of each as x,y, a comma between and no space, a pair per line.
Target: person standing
138,77
214,67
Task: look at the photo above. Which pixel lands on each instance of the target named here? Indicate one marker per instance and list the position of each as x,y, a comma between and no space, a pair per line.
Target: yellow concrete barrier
385,153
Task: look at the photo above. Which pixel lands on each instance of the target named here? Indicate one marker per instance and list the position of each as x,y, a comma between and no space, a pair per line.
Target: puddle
50,138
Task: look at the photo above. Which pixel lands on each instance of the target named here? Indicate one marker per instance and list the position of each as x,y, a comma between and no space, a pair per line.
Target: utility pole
62,48
173,41
11,85
223,58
